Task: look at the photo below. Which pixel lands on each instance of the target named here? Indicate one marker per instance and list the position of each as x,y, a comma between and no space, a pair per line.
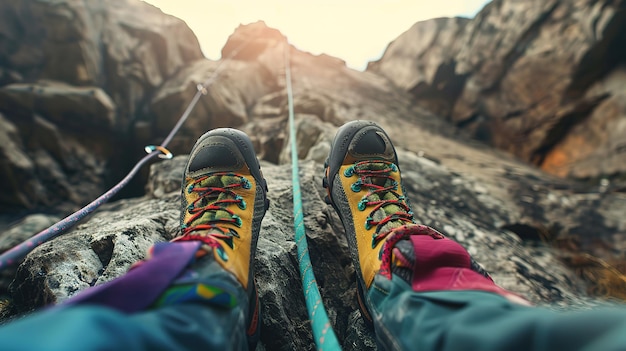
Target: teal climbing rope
323,334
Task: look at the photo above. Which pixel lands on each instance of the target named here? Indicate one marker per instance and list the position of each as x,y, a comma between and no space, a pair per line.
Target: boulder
76,79
422,61
230,88
17,169
595,148
16,234
126,47
56,142
71,107
531,74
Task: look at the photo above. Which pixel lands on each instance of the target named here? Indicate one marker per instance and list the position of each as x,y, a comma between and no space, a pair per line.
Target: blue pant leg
175,327
179,326
476,320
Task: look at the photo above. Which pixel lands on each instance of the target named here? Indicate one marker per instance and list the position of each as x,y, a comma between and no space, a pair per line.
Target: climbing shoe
362,178
223,204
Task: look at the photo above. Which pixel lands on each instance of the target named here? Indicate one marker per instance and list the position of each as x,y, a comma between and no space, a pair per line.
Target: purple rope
17,253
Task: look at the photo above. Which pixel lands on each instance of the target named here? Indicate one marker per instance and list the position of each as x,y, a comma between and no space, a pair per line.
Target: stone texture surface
127,47
68,106
75,77
234,87
422,61
599,143
461,206
15,234
534,78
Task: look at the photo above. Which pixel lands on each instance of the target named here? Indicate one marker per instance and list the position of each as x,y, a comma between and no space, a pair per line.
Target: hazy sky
356,31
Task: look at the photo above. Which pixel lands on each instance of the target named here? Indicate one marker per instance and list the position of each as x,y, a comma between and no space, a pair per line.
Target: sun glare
356,31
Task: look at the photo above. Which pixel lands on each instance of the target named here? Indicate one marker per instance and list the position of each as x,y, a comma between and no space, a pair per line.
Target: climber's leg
176,327
421,290
478,320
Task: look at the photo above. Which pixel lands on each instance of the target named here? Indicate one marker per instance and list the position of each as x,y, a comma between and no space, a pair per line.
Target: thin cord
17,253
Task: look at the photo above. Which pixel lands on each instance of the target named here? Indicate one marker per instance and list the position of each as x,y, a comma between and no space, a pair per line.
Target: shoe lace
399,234
389,209
210,212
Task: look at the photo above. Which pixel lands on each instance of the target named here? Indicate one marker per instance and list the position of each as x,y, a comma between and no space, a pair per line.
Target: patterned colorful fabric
200,292
140,287
158,281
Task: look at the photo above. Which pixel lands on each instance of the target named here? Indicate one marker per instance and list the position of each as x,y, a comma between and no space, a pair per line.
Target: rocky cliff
65,139
75,79
543,80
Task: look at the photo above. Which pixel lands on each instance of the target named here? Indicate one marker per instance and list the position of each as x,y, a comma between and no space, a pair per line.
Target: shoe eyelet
242,203
222,254
362,204
233,233
190,189
237,220
349,172
394,168
368,224
356,187
246,184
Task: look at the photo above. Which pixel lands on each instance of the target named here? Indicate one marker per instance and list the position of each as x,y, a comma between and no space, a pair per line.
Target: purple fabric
142,285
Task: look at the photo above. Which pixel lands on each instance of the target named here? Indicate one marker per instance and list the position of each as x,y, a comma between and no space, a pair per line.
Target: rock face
126,47
62,137
423,61
540,79
119,234
74,79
